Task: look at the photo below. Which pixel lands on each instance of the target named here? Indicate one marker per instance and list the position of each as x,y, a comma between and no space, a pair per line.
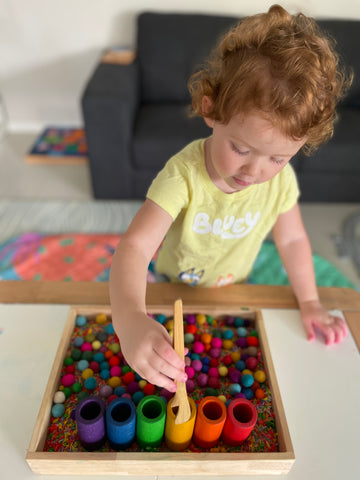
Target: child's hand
314,315
147,347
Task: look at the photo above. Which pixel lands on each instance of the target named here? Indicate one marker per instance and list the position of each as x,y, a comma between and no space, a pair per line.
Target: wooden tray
159,463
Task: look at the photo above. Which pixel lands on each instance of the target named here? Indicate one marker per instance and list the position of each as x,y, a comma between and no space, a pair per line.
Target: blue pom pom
240,365
80,321
234,389
242,332
109,329
247,380
105,374
119,391
228,334
249,394
78,341
90,383
238,322
137,397
99,357
82,364
58,410
161,318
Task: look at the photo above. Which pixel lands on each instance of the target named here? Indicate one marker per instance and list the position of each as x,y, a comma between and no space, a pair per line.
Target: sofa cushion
170,46
161,131
342,153
346,35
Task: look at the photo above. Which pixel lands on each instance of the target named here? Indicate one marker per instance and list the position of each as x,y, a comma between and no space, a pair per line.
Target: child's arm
294,248
145,343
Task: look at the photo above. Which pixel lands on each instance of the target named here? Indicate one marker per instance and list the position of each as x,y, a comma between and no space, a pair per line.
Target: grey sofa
136,115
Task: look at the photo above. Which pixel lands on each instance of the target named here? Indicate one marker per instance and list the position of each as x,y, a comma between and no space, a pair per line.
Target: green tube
151,416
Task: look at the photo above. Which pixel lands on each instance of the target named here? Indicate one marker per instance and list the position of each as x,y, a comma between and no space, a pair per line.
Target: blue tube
121,423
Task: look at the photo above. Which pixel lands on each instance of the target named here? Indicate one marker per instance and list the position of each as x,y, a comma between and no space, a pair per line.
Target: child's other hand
314,315
147,348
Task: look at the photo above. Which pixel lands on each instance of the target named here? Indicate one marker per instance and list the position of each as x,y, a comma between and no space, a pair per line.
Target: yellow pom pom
235,356
228,344
200,319
246,371
96,345
223,371
260,376
114,382
114,347
88,372
169,325
142,383
222,398
101,318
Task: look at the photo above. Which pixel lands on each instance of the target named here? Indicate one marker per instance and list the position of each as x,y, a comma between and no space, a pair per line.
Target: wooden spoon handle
180,399
178,328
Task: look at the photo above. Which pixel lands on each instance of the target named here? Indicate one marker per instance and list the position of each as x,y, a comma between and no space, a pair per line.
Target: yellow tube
178,436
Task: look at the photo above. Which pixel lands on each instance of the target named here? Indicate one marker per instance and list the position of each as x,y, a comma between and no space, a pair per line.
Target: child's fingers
166,351
156,378
310,332
339,329
329,333
161,365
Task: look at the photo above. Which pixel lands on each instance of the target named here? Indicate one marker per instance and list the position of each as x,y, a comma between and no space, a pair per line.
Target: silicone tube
240,421
210,419
178,436
121,423
151,416
90,420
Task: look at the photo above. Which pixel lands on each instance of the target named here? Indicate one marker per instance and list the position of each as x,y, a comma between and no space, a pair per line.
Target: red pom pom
252,341
227,360
214,362
129,377
190,329
149,389
114,361
111,398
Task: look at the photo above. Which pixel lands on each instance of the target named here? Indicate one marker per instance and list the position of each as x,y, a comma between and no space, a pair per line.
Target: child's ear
206,107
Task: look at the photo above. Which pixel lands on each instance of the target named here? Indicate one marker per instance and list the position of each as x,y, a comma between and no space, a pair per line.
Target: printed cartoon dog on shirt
190,277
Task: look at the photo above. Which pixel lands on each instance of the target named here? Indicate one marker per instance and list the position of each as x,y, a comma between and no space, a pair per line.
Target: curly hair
281,65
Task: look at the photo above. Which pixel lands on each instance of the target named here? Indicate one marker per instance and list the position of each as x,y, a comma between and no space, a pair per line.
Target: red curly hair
280,64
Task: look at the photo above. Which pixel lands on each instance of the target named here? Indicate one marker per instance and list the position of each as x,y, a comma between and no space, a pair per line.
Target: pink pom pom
198,347
68,380
213,372
216,342
202,379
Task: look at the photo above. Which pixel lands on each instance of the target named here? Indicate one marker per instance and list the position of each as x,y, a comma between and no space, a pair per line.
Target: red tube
240,421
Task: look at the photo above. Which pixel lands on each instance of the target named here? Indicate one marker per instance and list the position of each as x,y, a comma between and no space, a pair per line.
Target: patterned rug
87,257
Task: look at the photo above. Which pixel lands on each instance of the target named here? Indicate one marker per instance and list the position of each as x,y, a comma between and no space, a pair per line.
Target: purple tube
90,420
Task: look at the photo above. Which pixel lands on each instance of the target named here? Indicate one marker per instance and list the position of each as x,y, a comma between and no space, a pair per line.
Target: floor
58,198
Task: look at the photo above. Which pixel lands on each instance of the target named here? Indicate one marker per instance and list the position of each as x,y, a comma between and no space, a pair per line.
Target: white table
320,389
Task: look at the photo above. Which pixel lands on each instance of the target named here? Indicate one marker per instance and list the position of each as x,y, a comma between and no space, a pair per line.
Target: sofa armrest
109,106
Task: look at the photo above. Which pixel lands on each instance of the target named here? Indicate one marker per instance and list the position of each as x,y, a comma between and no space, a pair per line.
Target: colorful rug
87,257
56,143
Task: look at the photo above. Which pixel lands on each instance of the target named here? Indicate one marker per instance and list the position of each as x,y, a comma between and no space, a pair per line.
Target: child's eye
277,160
239,151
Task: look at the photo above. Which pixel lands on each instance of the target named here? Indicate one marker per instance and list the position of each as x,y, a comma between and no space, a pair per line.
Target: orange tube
178,436
210,419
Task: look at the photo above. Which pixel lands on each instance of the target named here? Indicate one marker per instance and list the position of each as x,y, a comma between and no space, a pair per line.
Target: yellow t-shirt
216,236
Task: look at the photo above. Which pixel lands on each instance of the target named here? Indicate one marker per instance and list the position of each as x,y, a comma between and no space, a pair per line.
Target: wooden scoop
180,398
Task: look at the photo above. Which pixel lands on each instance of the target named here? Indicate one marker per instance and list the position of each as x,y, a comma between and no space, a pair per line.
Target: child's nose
252,167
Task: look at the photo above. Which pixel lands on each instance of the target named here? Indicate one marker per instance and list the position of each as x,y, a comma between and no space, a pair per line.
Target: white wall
48,48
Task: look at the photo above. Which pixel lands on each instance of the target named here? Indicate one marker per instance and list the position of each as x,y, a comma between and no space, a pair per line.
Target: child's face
248,150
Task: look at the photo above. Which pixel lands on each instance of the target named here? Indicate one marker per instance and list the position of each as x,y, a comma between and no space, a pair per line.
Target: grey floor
58,198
